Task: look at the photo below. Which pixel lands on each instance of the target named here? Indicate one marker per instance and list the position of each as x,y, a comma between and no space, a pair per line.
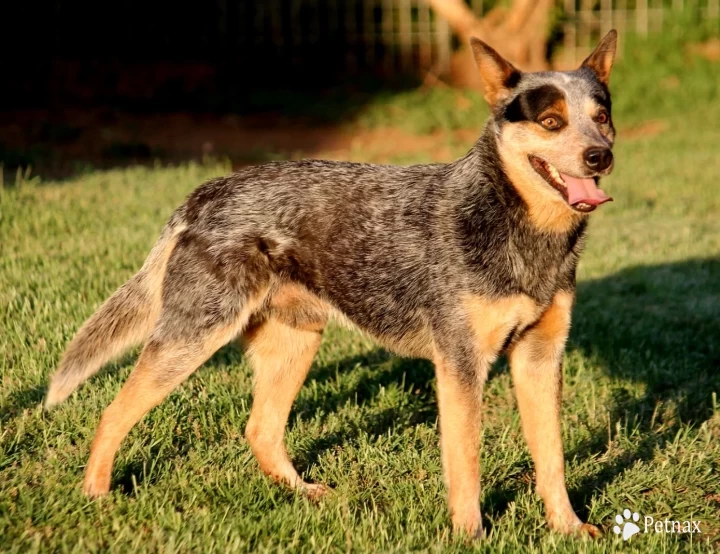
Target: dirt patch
643,130
710,49
54,143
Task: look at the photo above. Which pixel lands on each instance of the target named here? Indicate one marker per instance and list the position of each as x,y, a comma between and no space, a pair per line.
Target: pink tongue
584,190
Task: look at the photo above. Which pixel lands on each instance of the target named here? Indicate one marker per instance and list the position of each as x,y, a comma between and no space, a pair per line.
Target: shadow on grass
655,325
20,400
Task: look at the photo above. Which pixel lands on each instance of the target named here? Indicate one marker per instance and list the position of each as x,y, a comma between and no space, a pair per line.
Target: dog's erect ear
601,59
498,75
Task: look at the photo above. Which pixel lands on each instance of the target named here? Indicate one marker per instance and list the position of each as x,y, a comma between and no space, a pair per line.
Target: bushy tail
124,320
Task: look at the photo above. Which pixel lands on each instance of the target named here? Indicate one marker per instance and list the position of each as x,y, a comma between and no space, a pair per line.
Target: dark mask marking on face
530,104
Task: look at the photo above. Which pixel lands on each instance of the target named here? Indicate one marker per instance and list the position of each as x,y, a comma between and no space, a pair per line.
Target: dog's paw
479,533
469,526
588,530
315,491
95,486
570,524
470,532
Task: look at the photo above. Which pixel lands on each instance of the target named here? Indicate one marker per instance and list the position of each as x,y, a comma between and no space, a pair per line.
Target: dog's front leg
459,390
536,364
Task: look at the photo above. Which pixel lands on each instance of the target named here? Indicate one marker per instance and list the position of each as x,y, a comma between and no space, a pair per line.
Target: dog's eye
551,123
602,118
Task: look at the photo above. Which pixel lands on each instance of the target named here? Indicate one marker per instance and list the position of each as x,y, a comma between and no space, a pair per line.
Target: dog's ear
498,75
601,59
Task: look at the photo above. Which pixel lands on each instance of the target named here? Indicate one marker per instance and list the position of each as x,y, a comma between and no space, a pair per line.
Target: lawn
642,371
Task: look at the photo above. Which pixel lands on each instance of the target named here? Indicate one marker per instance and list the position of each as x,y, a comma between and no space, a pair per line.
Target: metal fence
405,36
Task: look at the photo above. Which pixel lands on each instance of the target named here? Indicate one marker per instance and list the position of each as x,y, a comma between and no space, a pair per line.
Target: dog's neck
496,227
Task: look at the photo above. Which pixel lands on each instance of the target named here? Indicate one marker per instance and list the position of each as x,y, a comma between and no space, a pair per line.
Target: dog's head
554,129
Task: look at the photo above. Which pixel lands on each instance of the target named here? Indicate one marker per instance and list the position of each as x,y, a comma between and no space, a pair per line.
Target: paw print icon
627,524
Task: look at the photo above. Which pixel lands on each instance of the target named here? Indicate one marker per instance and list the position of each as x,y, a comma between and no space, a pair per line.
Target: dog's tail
124,320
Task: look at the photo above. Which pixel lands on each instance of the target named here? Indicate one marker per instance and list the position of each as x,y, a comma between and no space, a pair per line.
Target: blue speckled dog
451,262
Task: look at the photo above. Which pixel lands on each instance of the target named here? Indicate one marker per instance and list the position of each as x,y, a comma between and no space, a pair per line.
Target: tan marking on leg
158,371
493,319
292,296
297,307
281,357
536,364
459,406
161,367
460,401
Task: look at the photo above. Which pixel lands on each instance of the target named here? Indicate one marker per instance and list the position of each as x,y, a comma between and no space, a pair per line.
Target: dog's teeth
555,174
550,174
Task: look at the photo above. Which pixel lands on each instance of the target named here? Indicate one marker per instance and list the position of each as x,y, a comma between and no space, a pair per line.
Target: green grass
641,409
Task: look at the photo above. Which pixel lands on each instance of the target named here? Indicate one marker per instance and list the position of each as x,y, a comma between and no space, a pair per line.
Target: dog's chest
511,257
494,321
538,266
535,276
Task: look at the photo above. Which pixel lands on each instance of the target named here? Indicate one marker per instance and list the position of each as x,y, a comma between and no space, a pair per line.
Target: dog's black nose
598,159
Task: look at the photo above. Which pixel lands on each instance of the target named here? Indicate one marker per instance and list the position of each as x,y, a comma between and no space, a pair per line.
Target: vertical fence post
258,23
425,39
606,13
641,17
388,31
351,35
713,9
570,32
370,31
276,31
444,42
587,18
406,35
621,18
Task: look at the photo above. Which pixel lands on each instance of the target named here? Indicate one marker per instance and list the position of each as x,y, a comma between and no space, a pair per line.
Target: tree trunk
518,33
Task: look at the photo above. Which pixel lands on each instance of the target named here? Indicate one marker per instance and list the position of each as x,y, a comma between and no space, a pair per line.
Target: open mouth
582,194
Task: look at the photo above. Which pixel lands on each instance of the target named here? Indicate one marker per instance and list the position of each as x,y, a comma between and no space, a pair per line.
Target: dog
456,263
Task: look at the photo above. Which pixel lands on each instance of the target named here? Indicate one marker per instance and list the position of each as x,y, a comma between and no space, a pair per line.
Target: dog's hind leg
281,357
536,365
163,364
201,311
